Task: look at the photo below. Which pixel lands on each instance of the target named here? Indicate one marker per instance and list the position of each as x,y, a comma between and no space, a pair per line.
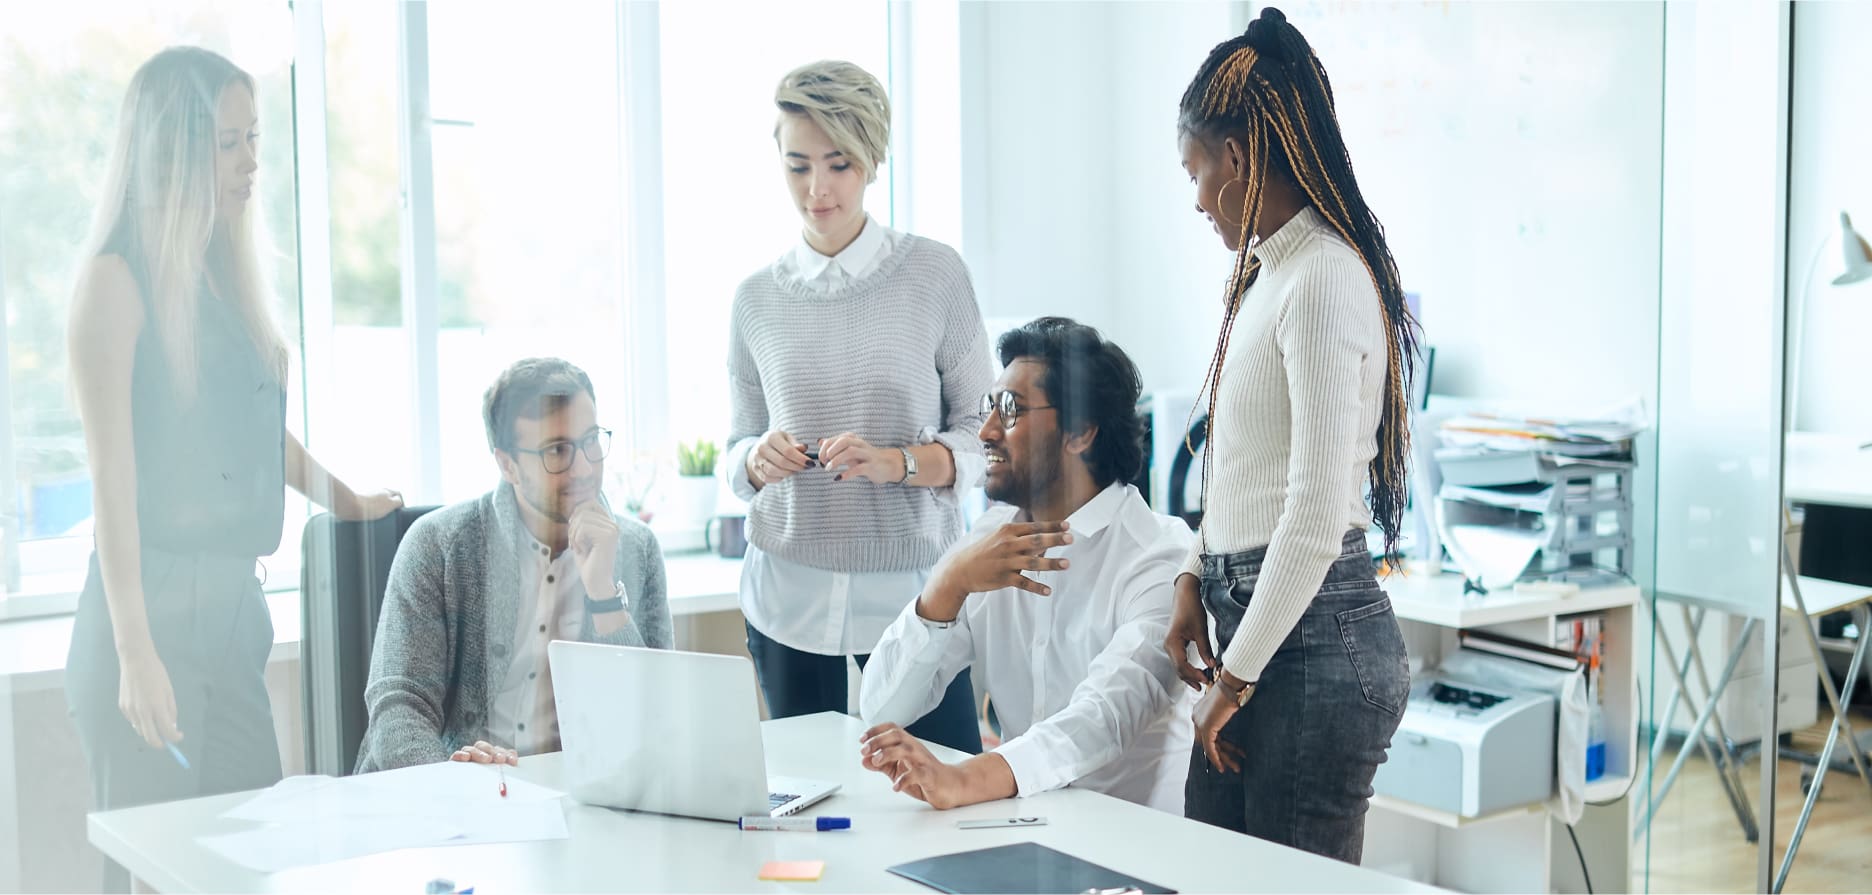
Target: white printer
1470,748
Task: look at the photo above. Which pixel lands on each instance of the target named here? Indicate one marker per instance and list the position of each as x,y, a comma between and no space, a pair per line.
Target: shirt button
549,579
523,727
532,674
542,629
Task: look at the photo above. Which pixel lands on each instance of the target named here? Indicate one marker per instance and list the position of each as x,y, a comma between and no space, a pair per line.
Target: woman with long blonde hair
180,375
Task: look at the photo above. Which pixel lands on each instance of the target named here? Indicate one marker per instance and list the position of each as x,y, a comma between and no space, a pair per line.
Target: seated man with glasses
1062,591
478,589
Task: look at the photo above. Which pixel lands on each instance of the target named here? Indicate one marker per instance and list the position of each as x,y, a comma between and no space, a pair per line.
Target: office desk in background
1829,469
629,852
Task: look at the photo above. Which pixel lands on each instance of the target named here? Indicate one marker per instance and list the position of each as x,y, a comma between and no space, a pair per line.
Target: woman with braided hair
1306,398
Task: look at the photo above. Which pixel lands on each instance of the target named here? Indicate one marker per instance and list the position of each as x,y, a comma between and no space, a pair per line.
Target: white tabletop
1829,469
1823,597
626,852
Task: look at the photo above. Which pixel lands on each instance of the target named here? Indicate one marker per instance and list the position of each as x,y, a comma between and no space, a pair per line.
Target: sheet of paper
275,848
445,787
316,819
512,822
1493,554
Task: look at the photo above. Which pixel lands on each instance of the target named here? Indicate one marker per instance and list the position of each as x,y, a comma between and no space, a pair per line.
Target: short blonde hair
847,103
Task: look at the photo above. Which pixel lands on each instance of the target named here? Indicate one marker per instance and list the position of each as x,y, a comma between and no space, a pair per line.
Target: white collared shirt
811,609
551,607
1079,679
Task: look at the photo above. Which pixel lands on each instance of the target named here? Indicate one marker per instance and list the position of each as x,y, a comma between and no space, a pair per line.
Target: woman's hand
144,694
355,507
1189,623
1212,713
776,458
851,457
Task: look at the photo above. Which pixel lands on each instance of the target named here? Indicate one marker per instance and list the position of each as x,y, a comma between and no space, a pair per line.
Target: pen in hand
179,757
503,779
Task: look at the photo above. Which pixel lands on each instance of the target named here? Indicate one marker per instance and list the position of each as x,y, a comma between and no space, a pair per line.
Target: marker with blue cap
796,824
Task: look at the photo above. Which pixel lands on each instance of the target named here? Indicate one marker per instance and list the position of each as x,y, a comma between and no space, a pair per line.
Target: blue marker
799,824
179,757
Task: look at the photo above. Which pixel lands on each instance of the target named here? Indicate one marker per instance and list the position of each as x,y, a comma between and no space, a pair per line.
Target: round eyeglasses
557,456
1004,405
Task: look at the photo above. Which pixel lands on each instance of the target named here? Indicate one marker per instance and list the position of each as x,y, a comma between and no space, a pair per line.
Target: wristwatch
615,603
909,465
1241,696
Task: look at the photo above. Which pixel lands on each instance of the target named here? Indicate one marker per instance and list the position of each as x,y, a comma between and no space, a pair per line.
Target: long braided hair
1266,89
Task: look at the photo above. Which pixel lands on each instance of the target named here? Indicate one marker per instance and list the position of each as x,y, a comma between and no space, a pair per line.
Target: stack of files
317,819
1479,465
1558,436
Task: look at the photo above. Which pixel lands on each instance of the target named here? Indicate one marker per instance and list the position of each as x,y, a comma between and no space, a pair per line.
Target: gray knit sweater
899,358
448,623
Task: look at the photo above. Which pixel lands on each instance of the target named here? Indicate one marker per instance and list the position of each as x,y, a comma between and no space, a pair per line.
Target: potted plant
695,483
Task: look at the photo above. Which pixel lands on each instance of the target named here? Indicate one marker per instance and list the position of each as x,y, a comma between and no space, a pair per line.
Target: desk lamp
1857,258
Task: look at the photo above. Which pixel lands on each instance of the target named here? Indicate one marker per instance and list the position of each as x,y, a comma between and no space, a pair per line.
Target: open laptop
667,732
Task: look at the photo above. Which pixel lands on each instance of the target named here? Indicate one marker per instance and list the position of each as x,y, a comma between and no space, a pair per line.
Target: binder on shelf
1509,647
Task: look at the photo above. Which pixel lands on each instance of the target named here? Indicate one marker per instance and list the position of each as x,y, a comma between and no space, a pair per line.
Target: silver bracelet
910,466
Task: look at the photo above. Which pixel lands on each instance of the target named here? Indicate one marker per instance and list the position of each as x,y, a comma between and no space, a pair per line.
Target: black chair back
341,590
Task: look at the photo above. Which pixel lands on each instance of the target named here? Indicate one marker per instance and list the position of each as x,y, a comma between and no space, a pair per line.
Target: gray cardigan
448,622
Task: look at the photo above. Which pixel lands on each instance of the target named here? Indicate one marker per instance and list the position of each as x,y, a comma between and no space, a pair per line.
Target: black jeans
796,682
1321,716
213,633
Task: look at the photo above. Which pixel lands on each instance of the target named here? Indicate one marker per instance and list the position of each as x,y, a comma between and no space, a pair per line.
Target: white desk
621,851
1828,469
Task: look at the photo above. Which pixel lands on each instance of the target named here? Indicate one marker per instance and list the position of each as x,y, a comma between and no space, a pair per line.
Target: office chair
342,579
1178,502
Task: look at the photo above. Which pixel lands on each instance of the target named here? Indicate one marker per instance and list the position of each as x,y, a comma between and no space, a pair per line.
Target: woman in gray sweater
857,362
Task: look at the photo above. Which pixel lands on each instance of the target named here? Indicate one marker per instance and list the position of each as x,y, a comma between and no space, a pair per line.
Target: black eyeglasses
557,456
1003,404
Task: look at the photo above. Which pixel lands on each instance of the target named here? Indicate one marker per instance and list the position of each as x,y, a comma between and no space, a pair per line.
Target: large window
63,72
530,187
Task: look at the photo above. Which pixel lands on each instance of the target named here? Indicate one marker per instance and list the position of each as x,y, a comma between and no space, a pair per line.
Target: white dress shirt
1079,679
811,609
552,608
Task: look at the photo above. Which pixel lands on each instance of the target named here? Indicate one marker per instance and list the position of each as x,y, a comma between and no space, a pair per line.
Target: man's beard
1022,485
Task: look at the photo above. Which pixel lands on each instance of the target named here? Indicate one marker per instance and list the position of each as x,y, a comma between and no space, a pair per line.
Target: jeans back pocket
1376,649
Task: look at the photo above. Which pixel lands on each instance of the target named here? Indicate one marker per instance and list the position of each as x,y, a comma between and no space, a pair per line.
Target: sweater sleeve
967,372
747,402
1323,337
640,566
408,687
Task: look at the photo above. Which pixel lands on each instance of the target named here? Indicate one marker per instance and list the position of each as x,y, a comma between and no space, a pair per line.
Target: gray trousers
1321,716
213,633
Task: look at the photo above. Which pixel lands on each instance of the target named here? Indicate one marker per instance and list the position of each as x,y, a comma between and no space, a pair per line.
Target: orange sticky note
792,871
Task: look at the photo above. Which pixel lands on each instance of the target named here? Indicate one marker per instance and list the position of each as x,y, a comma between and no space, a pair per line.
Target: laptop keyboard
776,799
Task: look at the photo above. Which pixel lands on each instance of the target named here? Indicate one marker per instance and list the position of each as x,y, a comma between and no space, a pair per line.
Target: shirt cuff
971,466
735,469
1033,773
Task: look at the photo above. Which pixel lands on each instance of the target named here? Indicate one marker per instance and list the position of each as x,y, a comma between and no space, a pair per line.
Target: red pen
503,779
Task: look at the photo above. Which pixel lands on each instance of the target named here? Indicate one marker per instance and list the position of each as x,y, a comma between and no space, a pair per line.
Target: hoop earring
1222,203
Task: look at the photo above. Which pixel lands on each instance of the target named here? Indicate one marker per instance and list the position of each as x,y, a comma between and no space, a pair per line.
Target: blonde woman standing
180,379
857,364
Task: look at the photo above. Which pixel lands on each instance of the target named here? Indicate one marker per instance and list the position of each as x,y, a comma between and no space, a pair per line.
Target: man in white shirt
1062,590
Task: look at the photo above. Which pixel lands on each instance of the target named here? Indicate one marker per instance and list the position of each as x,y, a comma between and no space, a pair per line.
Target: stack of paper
317,819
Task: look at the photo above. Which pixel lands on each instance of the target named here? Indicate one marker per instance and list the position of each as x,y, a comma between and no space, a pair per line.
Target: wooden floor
1697,845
